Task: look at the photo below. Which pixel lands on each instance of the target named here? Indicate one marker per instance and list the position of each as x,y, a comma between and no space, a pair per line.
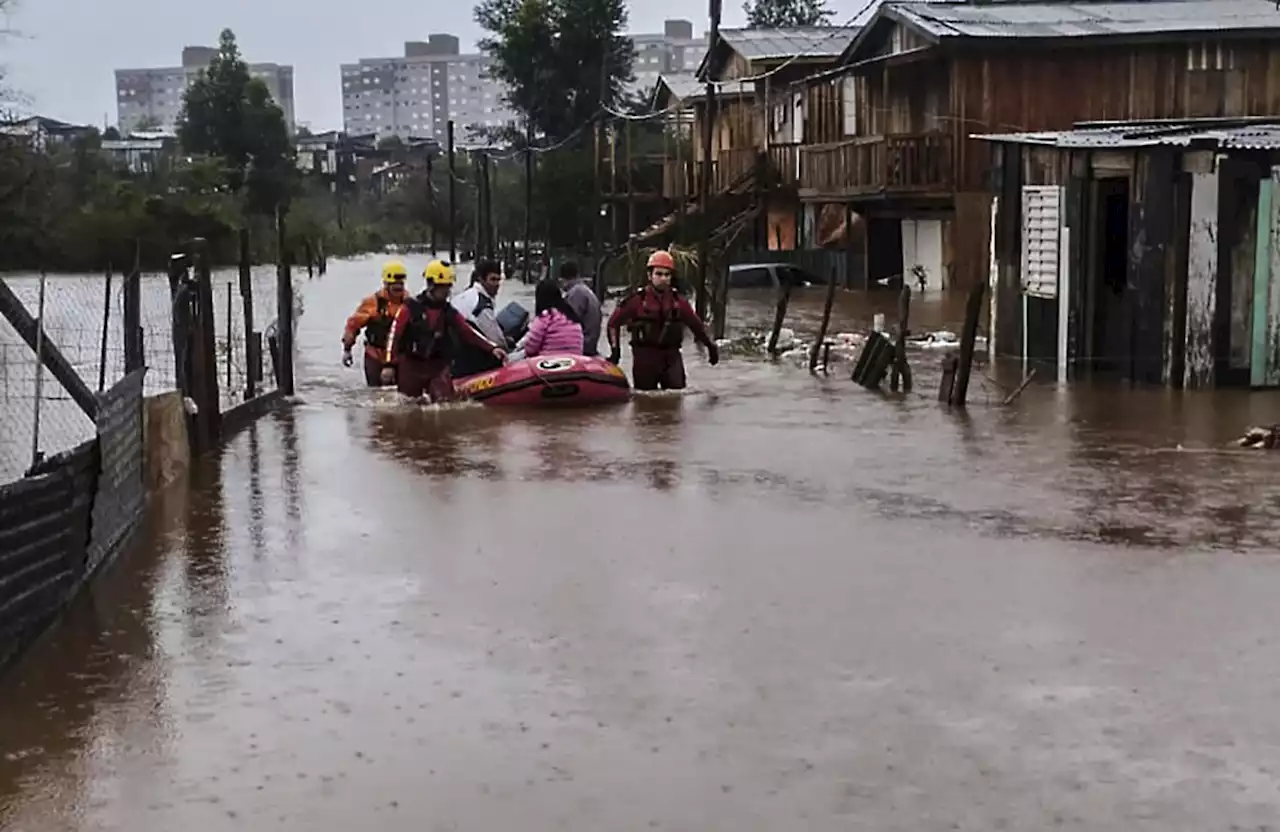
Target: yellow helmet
394,272
438,273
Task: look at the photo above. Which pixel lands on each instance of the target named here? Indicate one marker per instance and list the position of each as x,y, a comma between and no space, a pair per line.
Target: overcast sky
64,53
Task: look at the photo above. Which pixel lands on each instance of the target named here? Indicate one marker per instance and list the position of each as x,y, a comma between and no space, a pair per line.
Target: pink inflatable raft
548,381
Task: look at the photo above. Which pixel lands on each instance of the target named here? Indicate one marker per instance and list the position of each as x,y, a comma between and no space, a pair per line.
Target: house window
1041,224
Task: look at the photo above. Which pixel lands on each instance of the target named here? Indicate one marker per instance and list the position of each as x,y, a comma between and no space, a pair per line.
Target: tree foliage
552,56
781,14
229,115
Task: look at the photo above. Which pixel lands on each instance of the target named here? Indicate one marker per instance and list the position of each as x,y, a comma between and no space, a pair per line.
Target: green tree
552,54
781,14
147,124
229,115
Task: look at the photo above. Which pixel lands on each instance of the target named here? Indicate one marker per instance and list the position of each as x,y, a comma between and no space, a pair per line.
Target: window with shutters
1041,223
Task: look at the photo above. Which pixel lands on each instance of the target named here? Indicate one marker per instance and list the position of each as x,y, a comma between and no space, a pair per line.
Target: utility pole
597,246
453,199
528,194
431,201
704,246
477,235
486,218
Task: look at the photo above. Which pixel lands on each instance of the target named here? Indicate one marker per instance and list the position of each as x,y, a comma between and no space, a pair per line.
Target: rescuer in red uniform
422,337
657,316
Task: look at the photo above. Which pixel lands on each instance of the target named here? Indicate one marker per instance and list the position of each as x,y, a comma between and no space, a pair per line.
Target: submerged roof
1226,134
1016,19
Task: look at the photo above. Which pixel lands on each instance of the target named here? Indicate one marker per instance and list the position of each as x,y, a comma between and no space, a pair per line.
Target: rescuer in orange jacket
374,315
420,343
657,316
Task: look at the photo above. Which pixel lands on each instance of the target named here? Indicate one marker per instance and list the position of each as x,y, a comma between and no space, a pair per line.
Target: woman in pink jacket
555,328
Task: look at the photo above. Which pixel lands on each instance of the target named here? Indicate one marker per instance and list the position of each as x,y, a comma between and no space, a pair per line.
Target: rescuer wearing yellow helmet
422,338
374,316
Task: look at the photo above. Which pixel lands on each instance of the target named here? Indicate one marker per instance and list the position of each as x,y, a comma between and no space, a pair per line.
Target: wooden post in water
779,315
901,369
968,336
230,348
106,326
252,339
949,366
819,345
134,349
204,367
284,308
721,319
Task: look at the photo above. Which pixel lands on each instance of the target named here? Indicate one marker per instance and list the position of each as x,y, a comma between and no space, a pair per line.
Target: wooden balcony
733,165
912,164
784,159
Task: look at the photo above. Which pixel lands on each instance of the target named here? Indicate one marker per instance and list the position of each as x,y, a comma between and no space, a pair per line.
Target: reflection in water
833,581
95,674
257,504
291,473
441,442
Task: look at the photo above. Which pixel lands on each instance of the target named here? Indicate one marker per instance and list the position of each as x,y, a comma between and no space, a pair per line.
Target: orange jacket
374,315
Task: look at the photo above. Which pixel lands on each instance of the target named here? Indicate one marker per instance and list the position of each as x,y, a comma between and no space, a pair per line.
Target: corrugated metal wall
44,533
69,516
122,492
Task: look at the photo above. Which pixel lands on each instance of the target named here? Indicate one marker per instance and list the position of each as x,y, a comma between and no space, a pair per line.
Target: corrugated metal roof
1224,134
812,42
683,85
1017,19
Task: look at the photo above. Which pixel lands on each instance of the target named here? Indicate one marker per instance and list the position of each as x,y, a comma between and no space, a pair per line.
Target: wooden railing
733,165
914,163
785,161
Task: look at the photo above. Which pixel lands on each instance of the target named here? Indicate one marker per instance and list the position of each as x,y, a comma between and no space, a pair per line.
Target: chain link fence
84,319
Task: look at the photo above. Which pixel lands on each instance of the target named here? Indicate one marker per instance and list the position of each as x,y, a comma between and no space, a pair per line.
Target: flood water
774,602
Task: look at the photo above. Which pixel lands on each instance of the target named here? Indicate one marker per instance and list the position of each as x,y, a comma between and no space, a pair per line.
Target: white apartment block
673,52
154,96
417,95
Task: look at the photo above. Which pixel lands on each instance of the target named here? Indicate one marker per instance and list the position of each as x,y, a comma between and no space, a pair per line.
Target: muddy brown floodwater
773,603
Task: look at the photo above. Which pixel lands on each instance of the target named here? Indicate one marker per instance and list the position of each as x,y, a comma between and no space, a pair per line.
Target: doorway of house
884,253
1109,349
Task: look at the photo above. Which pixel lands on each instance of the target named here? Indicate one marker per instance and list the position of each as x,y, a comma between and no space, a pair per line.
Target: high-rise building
418,94
673,52
153,97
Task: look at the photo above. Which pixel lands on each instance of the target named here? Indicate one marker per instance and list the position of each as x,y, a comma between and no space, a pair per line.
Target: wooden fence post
252,339
204,363
284,311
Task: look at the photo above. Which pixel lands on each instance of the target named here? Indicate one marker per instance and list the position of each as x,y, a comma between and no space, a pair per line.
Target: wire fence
84,319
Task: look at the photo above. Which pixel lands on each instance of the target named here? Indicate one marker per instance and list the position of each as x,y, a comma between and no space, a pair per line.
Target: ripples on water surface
863,611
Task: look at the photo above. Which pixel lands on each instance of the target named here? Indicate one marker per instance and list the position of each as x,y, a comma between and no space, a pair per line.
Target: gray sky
65,51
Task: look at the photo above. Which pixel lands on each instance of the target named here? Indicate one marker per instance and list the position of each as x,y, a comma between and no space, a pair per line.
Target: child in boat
556,328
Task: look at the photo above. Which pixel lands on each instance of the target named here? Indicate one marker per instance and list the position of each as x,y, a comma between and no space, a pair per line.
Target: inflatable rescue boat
548,381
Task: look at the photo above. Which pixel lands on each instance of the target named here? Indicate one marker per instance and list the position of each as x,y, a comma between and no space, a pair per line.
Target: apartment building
152,98
418,94
674,52
434,82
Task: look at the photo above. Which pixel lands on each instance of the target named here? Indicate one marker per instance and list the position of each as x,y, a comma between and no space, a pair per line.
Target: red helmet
661,260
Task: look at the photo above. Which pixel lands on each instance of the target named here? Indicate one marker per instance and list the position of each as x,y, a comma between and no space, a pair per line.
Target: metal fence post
284,301
35,418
